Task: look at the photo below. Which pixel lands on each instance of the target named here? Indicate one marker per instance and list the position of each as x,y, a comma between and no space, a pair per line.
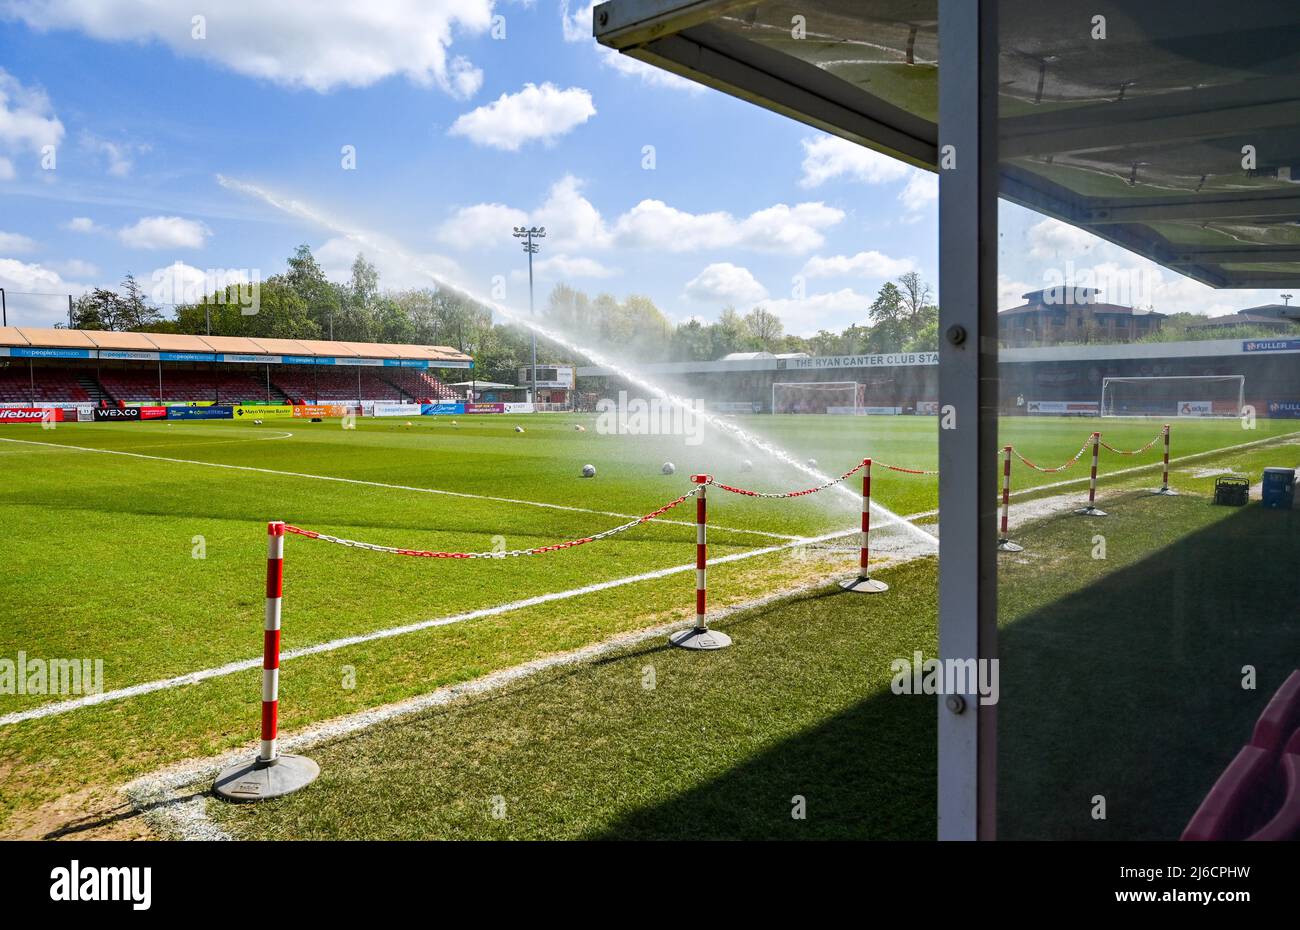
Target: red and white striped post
271,774
864,583
700,636
1004,541
271,640
1091,510
1164,488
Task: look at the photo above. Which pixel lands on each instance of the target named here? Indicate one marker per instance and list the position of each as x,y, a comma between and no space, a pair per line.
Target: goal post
1199,396
817,396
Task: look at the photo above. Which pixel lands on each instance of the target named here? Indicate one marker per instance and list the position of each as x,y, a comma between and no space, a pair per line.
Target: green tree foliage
302,303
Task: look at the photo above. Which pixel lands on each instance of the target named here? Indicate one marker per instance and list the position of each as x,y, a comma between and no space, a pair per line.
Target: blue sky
466,117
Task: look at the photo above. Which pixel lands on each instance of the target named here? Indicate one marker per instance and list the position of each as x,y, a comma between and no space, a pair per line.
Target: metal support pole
700,636
968,406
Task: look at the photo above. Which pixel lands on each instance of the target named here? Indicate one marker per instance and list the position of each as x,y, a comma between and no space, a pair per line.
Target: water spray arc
370,241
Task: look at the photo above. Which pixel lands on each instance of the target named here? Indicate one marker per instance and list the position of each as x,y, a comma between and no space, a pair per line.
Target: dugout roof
1137,139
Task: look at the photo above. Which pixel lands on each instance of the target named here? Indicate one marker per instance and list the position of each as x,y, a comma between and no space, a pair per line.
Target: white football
589,471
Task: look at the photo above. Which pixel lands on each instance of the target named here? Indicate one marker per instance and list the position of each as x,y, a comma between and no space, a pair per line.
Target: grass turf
1111,684
128,588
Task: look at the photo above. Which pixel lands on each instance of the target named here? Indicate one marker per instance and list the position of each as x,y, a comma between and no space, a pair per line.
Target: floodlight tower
532,248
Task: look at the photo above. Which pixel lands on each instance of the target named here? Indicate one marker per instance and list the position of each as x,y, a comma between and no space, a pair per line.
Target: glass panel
1146,610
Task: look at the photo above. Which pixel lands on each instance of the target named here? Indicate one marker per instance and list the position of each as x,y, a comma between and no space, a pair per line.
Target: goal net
1174,396
817,396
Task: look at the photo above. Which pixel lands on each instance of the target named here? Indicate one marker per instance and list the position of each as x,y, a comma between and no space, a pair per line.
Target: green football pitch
144,544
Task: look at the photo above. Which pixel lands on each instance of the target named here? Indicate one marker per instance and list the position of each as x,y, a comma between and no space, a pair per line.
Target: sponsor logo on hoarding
31,352
485,408
1285,409
263,411
397,410
519,408
200,413
1270,345
113,414
31,415
431,410
1075,407
312,411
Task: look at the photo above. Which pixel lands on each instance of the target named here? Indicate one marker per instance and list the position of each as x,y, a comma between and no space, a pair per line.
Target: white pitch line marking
158,794
380,484
230,668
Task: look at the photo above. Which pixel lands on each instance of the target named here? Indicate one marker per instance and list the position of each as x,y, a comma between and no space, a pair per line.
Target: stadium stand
183,386
420,384
52,386
299,383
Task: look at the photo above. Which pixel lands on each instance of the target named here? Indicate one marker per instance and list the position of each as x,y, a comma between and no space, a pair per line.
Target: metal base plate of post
1006,545
258,780
697,638
1090,511
864,585
1165,492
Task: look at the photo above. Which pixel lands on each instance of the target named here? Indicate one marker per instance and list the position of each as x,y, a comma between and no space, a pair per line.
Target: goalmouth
817,396
1200,396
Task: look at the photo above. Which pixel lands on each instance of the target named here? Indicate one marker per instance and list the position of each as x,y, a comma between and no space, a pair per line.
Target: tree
126,310
764,328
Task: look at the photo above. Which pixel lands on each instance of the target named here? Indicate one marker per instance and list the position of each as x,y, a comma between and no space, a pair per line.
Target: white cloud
653,224
533,114
483,225
179,283
75,268
27,122
1054,239
829,157
833,310
164,232
575,23
573,224
83,224
24,309
725,283
870,264
119,157
16,243
336,256
572,266
921,193
296,43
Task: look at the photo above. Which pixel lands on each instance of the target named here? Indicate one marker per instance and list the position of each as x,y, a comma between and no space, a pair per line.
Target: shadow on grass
1130,687
867,772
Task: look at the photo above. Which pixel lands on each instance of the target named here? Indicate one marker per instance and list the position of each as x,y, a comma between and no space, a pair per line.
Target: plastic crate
1232,490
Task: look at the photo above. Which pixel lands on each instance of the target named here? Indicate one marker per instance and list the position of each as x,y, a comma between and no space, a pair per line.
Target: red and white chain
1078,455
1154,439
536,550
786,494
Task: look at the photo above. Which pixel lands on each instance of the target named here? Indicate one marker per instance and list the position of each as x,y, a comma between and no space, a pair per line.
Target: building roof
1241,318
1097,308
28,337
